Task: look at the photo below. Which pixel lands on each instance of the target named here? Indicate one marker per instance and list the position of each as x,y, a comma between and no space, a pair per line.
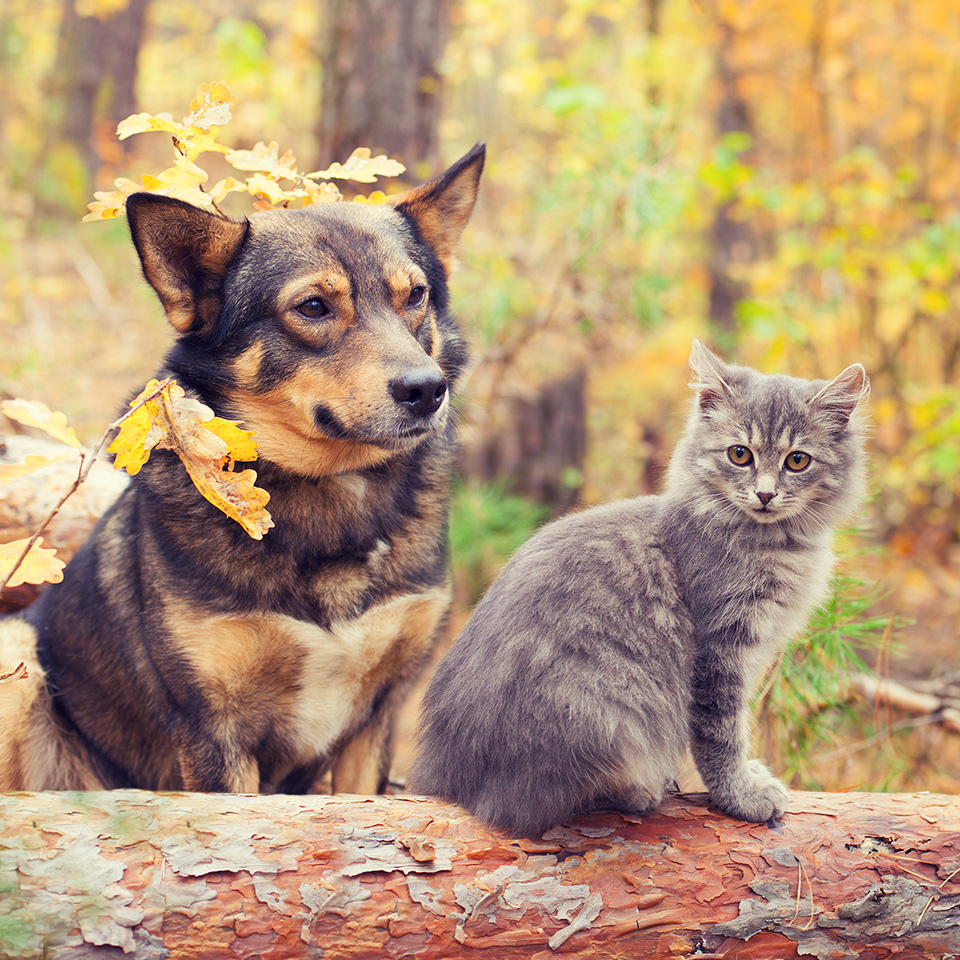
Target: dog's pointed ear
442,206
185,252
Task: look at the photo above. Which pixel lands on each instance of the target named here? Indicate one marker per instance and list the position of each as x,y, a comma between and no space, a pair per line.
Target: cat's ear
839,398
708,371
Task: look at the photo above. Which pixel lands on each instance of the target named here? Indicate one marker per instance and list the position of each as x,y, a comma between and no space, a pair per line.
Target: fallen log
184,875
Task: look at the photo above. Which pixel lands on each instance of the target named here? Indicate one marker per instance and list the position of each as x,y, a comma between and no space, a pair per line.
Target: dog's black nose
420,392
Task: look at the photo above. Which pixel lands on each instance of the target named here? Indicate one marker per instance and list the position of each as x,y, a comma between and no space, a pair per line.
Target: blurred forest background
780,179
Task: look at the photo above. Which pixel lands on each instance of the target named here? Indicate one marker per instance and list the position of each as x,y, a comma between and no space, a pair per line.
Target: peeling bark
186,875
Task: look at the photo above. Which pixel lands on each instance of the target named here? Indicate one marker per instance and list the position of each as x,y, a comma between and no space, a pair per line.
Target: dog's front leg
217,768
363,764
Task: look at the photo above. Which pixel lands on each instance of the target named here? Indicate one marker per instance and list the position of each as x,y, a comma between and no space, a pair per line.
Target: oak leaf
19,672
145,123
182,181
265,158
40,565
209,446
260,185
320,192
31,413
108,204
211,106
377,196
361,167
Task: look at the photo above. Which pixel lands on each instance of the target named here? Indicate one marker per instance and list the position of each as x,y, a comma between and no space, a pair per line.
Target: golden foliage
274,178
39,565
163,417
31,413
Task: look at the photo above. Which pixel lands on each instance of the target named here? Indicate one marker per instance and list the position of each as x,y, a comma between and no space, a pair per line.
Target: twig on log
905,698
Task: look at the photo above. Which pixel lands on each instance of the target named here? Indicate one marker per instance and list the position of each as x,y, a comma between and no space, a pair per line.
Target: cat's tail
35,752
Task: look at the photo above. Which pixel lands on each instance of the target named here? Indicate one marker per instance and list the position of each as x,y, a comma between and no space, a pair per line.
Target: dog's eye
417,295
313,309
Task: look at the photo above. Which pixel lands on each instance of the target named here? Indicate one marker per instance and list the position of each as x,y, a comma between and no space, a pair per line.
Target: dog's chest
277,678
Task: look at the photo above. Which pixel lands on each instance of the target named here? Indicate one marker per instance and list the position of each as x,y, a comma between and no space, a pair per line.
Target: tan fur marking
34,753
247,365
346,666
330,285
401,282
358,769
283,425
317,683
289,445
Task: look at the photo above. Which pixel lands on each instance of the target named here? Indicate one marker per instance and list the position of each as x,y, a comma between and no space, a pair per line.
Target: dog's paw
753,794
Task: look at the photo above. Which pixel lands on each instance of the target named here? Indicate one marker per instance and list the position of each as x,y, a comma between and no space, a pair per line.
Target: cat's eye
417,296
313,309
797,461
740,455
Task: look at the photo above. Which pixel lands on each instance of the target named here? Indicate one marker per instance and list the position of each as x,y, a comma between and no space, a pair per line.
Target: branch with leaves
273,178
160,417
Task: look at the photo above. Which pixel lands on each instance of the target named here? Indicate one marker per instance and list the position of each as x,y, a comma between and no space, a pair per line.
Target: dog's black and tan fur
179,653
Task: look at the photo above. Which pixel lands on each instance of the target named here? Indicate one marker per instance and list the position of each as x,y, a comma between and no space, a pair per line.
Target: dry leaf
265,158
40,565
361,167
33,414
208,445
145,123
19,672
211,106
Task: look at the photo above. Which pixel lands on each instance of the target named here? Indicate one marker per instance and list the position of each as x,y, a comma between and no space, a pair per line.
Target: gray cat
620,635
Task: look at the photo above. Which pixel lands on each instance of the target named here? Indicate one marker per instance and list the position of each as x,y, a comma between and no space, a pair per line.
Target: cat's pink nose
765,498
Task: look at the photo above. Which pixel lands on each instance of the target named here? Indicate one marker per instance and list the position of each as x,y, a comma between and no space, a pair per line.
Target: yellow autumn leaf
130,446
112,203
12,471
31,413
377,196
181,181
229,185
146,123
235,494
260,185
207,445
211,106
320,192
361,167
40,565
240,443
265,158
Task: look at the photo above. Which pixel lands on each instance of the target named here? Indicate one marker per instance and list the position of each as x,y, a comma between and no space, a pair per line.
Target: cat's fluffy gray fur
620,635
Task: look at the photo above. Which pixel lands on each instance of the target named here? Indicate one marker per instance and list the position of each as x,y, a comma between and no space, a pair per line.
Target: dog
178,653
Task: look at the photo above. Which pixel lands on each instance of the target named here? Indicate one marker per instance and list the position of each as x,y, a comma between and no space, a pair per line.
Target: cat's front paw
753,794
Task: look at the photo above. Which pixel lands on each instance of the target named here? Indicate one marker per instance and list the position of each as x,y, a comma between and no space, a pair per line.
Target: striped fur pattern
617,637
179,653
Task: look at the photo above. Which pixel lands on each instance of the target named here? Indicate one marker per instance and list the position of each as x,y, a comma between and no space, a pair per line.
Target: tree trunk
91,88
732,240
536,440
381,85
181,875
